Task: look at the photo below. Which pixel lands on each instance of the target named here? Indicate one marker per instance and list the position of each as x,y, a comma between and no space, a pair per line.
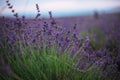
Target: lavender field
67,48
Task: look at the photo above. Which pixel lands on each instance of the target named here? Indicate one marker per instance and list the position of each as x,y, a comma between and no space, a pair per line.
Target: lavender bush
43,50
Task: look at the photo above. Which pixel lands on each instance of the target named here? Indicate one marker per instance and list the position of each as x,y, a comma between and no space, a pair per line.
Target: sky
59,8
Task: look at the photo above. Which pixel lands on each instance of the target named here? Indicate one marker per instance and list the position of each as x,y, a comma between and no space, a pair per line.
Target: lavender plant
44,50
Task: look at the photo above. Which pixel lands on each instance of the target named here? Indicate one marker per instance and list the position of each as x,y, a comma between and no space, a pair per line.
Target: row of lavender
106,58
39,32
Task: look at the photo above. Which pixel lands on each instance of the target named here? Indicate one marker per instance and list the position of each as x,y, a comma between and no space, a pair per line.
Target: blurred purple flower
5,69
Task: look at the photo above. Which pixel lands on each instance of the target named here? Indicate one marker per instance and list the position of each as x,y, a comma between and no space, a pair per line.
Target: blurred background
59,8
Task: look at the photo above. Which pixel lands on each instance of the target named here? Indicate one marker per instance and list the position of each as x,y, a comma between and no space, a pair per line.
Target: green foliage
97,38
34,64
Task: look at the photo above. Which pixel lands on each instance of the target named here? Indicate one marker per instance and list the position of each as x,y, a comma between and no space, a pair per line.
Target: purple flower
7,1
16,15
10,7
68,32
5,69
8,4
74,26
86,43
67,39
37,15
75,36
37,6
